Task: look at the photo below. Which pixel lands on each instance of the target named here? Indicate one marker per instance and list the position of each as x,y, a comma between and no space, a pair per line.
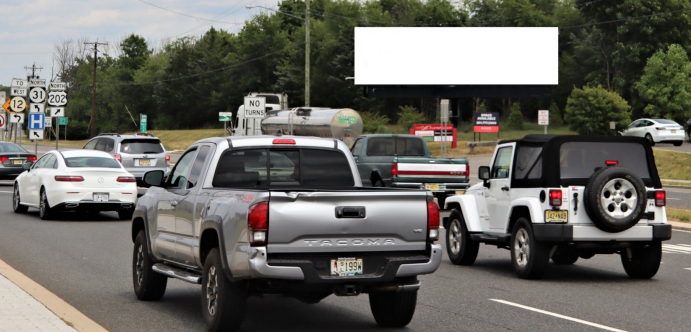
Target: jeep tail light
258,223
67,178
555,197
283,141
660,198
117,157
167,158
31,158
611,162
432,221
126,179
394,170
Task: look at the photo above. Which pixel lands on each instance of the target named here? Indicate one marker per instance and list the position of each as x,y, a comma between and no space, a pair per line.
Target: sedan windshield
92,162
10,147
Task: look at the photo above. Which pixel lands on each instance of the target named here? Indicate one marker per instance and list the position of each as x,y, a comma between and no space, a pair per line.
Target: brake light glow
126,179
31,158
258,223
394,170
68,178
611,162
432,221
4,159
660,198
555,197
284,141
467,170
117,157
167,158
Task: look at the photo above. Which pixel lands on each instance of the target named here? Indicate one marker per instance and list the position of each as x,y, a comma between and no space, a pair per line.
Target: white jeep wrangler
564,197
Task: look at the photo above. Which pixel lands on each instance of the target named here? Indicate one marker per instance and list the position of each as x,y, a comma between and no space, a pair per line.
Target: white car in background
657,131
77,180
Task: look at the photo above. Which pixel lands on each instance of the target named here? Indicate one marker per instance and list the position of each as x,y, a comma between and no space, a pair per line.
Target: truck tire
462,250
615,199
528,256
16,205
148,285
644,262
562,257
223,301
393,309
44,210
377,182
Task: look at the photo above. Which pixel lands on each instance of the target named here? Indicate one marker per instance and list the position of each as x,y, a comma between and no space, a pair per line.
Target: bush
590,110
516,117
555,118
408,116
373,122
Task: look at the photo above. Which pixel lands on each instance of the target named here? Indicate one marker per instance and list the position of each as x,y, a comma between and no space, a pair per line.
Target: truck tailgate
432,170
375,220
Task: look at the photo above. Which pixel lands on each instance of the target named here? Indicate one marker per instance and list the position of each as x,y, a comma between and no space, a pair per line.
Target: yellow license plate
556,216
431,186
674,131
18,161
144,162
346,266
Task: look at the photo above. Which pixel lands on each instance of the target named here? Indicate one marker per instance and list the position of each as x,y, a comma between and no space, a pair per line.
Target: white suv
564,197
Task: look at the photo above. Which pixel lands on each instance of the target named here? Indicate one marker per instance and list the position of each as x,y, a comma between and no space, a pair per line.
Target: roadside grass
678,214
673,165
462,150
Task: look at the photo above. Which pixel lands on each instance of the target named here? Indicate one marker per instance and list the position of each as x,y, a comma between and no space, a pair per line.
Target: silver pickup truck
285,215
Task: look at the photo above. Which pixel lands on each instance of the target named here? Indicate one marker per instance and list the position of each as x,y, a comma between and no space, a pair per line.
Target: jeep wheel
462,250
393,309
223,301
528,256
644,261
44,210
148,285
562,257
615,199
16,205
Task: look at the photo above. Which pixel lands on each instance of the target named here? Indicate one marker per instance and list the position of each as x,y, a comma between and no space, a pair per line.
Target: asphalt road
88,264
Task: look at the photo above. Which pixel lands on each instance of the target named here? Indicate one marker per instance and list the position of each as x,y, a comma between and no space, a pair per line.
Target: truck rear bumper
583,233
443,187
378,267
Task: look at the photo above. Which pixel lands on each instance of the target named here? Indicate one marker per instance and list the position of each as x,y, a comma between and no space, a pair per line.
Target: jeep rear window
262,168
579,160
140,146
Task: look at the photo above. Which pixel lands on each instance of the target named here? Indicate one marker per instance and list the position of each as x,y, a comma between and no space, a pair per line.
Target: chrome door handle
174,203
505,188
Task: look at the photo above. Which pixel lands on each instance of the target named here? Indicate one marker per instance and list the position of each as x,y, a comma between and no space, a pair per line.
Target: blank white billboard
456,56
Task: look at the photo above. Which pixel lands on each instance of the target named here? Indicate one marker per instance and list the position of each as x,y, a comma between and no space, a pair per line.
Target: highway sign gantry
17,118
37,121
17,104
57,98
37,95
57,111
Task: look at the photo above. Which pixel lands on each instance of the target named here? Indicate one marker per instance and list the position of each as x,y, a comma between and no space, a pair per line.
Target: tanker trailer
344,123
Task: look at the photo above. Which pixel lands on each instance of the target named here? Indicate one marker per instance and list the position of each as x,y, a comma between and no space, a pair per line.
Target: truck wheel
528,256
644,262
44,210
223,301
562,257
462,250
148,285
377,183
18,207
441,199
615,199
393,309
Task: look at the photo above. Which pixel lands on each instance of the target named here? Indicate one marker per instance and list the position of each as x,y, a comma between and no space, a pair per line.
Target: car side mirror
27,165
483,174
153,178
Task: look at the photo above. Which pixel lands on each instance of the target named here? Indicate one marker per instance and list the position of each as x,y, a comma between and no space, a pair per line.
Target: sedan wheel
44,210
650,139
16,205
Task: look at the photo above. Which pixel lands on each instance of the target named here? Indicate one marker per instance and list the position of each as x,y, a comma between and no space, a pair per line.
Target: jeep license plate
431,186
100,197
144,162
556,216
346,266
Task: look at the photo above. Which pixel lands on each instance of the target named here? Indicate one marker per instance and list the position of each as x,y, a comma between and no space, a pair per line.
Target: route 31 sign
37,95
57,98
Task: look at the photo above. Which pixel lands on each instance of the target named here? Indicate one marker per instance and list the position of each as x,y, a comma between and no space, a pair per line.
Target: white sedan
77,180
657,131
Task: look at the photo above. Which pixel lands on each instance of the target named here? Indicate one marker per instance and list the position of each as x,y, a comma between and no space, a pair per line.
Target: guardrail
472,145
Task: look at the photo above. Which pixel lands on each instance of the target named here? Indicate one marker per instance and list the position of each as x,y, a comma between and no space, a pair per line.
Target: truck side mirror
153,178
483,173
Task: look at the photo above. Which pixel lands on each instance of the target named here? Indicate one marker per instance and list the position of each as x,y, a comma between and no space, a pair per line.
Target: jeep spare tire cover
615,199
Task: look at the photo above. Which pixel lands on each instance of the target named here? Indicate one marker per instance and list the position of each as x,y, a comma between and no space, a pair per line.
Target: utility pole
307,53
92,124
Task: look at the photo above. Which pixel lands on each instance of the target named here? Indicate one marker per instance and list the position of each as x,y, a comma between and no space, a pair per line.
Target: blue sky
29,30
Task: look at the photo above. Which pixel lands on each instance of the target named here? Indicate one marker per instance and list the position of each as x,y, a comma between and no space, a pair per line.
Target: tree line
618,60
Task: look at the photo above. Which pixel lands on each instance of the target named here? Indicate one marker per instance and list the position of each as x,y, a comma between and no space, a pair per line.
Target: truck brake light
258,223
660,198
467,170
432,221
611,162
283,141
394,170
555,197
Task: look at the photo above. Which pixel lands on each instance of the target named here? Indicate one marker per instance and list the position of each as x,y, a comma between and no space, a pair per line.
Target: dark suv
138,153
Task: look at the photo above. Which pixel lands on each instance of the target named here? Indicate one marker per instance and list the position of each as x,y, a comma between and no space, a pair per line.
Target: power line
219,16
187,15
627,19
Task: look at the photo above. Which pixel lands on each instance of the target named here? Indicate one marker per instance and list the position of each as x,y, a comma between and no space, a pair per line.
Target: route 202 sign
57,98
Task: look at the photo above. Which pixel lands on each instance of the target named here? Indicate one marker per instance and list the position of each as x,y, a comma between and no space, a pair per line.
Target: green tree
555,116
590,110
516,117
665,87
373,122
408,116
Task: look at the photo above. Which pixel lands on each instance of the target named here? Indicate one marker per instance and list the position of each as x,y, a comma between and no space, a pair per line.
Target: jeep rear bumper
582,233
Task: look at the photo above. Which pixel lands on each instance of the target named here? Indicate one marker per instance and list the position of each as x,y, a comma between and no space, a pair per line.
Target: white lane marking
9,192
681,230
685,245
687,268
585,322
674,199
672,247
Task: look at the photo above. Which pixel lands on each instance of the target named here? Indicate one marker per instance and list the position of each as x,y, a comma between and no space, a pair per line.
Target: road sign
62,121
19,83
543,118
19,92
37,108
36,135
3,121
57,98
255,107
17,104
224,116
17,118
37,121
49,121
3,95
142,123
37,82
57,86
37,95
57,111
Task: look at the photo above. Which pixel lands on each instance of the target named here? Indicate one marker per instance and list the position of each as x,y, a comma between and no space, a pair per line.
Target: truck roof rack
143,134
109,134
